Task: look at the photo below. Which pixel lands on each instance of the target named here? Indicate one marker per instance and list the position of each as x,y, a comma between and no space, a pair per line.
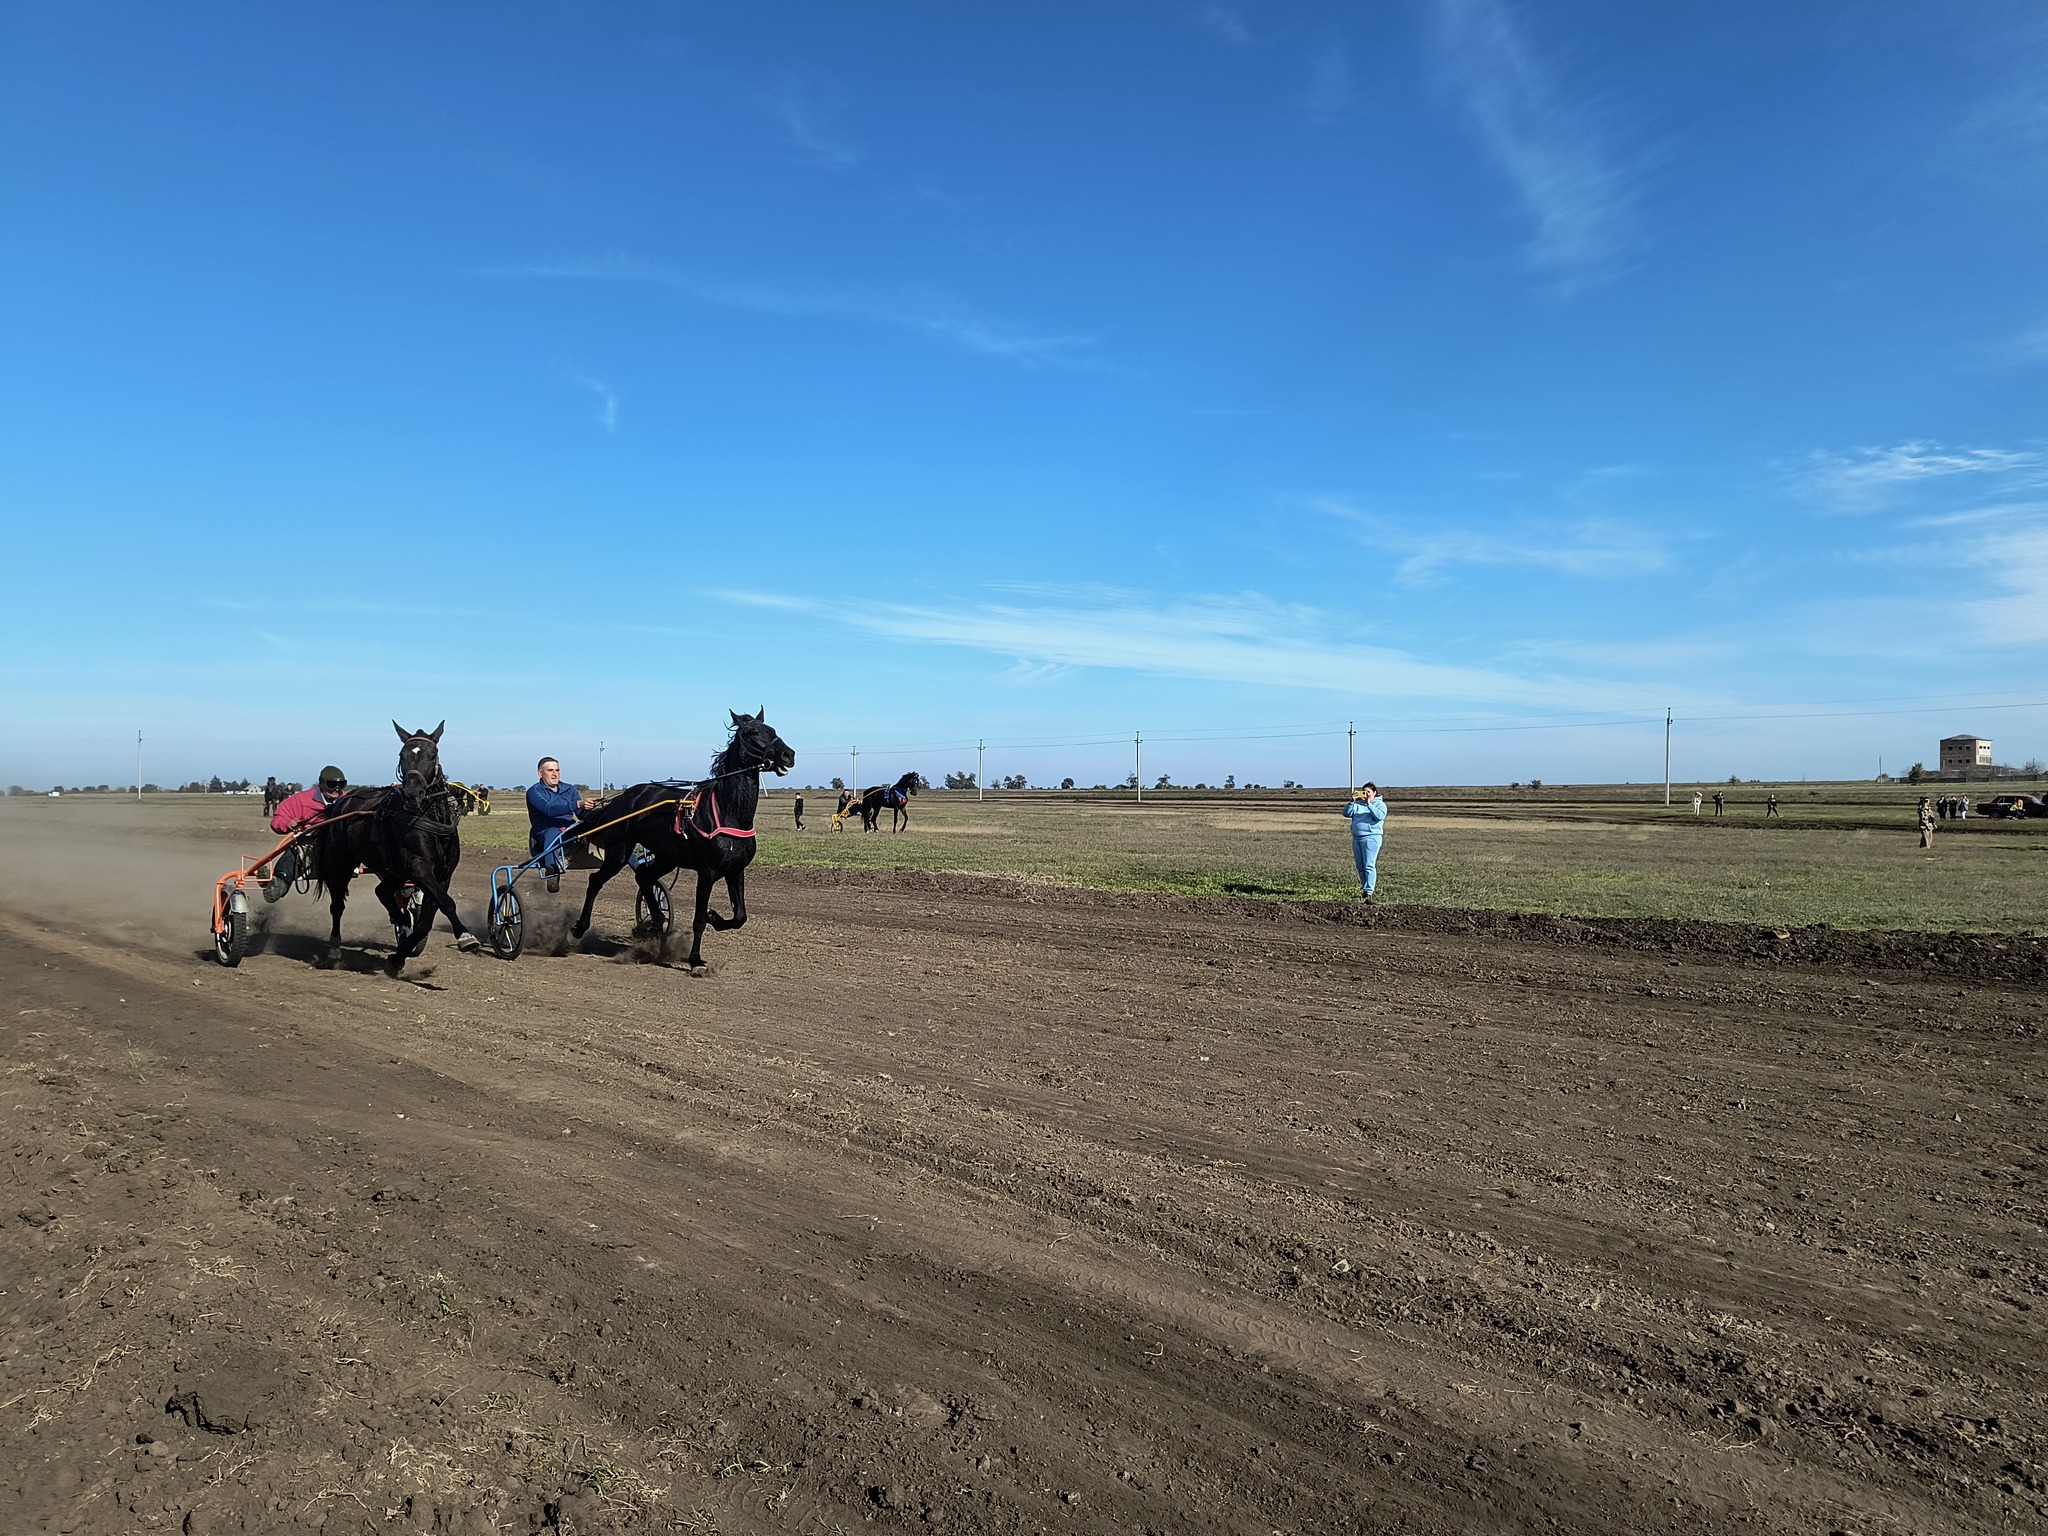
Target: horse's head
908,783
755,745
419,757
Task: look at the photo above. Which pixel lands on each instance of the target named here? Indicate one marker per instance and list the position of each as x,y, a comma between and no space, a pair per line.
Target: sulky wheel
231,939
508,928
653,911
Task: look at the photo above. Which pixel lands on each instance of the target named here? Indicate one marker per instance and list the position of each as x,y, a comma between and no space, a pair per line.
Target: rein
686,807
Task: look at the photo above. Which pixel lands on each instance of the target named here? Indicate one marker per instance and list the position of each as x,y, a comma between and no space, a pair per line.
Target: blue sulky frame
505,918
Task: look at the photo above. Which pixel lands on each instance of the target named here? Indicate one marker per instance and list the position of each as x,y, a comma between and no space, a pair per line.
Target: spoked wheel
231,938
508,926
653,911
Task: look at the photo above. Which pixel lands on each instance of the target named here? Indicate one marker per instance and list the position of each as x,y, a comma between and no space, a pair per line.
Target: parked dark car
2014,806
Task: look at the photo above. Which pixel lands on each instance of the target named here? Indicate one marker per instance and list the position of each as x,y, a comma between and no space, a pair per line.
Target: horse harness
686,817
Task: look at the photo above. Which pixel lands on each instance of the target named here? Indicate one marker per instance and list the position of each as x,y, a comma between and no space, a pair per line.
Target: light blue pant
1365,852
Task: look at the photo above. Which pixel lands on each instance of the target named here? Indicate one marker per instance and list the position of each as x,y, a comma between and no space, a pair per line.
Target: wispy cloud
607,401
1225,23
2023,349
1586,547
1247,639
1541,139
2019,564
807,119
935,316
1869,479
2003,134
1329,85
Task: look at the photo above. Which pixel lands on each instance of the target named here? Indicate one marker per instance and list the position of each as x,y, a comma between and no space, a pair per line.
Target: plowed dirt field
954,1203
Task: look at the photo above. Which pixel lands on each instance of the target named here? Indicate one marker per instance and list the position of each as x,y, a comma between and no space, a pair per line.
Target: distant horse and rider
275,794
707,826
869,807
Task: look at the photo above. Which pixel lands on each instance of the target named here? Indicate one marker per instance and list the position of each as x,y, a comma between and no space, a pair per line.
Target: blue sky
1491,375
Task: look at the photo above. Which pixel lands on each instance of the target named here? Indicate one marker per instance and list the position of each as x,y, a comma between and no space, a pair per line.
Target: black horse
896,797
405,835
716,838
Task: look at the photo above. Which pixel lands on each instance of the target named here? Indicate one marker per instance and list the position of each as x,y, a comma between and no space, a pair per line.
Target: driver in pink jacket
309,806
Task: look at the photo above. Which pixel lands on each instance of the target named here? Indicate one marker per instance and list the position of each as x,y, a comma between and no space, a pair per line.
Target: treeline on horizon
213,786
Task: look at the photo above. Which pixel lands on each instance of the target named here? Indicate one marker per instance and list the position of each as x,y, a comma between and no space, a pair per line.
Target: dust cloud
142,874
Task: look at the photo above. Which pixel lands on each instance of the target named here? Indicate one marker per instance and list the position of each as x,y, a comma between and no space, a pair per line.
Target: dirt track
965,1205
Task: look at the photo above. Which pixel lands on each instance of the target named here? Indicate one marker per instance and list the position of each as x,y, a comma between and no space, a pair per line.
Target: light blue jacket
1366,818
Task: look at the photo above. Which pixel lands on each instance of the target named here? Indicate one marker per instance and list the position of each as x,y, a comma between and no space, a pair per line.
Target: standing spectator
551,807
1926,823
1720,802
1770,807
1695,802
1963,809
1368,813
799,811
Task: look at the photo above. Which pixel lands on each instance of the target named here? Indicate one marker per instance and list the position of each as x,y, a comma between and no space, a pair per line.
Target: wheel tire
507,924
654,914
231,939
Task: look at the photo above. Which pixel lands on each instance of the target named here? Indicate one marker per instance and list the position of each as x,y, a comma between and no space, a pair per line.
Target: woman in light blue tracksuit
1367,811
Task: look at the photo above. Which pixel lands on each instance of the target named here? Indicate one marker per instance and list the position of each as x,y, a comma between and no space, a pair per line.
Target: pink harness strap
717,827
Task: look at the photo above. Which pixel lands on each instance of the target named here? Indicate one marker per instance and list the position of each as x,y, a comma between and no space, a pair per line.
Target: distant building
1959,754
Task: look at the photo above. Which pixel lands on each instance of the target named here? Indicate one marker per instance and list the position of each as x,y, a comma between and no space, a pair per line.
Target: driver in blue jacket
1368,813
551,807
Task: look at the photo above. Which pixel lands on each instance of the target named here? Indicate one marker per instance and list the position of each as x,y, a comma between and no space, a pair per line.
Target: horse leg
438,900
387,892
439,896
703,915
614,861
650,875
337,899
736,892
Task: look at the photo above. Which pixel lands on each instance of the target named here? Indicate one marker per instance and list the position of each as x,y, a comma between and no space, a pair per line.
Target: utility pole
980,768
600,767
1667,754
1351,758
856,769
138,765
1138,762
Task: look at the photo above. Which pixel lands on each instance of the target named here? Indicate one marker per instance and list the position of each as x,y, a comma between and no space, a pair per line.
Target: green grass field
1845,854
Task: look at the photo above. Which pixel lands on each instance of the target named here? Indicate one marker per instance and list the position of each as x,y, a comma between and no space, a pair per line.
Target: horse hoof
577,930
467,942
